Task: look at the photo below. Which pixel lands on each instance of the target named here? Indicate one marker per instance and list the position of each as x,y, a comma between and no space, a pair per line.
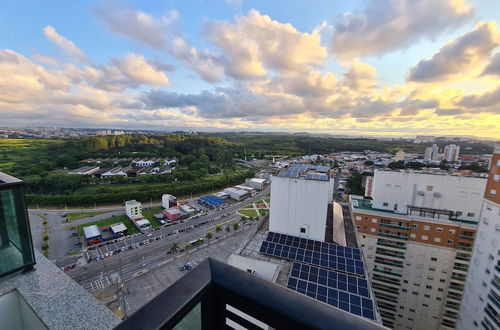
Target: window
442,280
404,290
302,230
425,305
415,293
432,268
451,231
427,227
385,204
416,284
458,213
438,298
414,225
434,259
440,289
430,277
395,207
450,241
427,296
496,177
487,271
470,214
493,192
428,287
490,257
439,230
405,281
249,271
374,220
437,239
373,230
424,237
413,235
429,188
358,217
412,310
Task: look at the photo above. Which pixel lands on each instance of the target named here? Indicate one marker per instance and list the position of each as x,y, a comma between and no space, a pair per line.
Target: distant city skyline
362,68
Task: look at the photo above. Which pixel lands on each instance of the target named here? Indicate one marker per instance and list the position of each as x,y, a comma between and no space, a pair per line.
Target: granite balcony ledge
57,300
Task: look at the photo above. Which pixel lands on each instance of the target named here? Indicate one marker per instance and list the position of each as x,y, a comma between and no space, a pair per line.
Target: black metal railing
227,295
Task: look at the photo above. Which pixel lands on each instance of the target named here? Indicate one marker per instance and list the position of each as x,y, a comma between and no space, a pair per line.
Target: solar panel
331,279
323,247
327,260
352,303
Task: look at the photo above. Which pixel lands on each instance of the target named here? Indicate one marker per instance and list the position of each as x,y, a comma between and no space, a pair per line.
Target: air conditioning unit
420,193
437,195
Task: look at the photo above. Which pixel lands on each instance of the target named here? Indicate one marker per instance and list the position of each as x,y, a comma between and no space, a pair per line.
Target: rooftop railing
16,247
215,295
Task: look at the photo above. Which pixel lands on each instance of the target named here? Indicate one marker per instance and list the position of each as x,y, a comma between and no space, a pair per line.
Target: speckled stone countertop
58,300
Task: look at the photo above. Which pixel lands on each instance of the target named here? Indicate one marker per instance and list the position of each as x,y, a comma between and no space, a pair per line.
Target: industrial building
300,197
417,235
480,306
255,183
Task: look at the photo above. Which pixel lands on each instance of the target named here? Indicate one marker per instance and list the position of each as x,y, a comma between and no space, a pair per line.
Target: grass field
14,151
81,215
132,229
248,212
149,214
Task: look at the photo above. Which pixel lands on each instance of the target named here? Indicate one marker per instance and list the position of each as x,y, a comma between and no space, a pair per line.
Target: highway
158,245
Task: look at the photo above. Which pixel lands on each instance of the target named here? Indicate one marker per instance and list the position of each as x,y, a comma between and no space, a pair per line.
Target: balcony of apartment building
391,244
35,294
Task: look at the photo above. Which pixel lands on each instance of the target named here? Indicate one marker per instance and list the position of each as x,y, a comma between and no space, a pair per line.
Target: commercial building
168,201
92,234
133,209
480,308
451,153
417,235
172,214
236,194
299,197
256,183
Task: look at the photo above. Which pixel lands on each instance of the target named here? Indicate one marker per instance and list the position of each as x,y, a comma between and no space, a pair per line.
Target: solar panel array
322,254
317,176
330,278
352,303
295,170
316,272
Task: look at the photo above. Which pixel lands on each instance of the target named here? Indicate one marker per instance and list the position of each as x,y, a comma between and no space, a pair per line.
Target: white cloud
65,44
136,68
388,25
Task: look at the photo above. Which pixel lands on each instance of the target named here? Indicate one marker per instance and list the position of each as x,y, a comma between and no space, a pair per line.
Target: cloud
485,100
65,44
458,56
387,25
136,68
361,76
493,68
137,25
256,43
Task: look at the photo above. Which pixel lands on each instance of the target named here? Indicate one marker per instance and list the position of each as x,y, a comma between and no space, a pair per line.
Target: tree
218,228
174,248
208,235
188,246
236,226
228,229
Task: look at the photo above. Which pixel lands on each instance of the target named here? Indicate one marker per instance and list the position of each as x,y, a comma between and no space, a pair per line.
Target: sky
362,67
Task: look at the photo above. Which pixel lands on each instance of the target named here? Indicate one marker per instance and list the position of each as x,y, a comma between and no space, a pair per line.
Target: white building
255,183
133,209
394,190
299,197
451,153
237,194
480,306
167,201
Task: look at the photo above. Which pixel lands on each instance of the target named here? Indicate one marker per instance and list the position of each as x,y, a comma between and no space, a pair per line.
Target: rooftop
306,171
360,203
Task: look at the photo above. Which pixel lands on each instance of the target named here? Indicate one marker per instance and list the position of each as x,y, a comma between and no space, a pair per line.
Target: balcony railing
393,236
468,238
16,248
214,295
390,225
403,247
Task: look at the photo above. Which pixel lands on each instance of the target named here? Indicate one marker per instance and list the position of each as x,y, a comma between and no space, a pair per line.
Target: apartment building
417,236
480,308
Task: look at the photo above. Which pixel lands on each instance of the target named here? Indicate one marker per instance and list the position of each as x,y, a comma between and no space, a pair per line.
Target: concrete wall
299,203
393,190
